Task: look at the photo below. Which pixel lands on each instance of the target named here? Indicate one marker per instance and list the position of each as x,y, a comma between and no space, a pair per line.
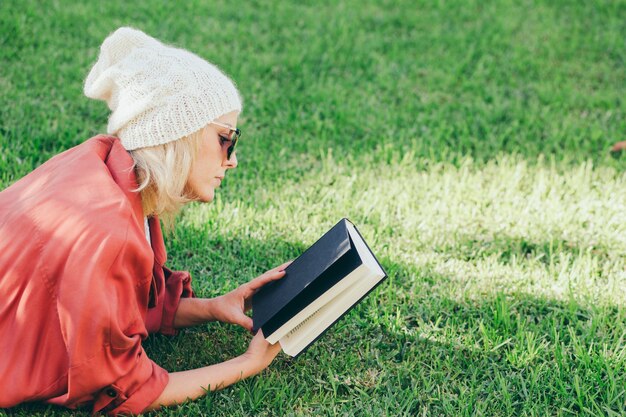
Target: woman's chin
207,196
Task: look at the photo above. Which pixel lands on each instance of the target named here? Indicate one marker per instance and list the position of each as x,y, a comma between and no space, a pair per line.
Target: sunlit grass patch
506,226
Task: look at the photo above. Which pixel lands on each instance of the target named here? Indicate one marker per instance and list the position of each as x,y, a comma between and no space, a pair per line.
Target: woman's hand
194,383
231,307
260,352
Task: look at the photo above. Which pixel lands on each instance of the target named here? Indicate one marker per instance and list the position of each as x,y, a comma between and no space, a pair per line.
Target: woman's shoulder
84,193
93,180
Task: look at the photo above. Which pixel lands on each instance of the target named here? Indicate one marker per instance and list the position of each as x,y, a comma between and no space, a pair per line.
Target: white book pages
366,255
301,337
312,308
303,328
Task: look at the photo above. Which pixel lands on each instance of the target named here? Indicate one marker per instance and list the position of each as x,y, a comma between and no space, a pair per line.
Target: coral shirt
80,285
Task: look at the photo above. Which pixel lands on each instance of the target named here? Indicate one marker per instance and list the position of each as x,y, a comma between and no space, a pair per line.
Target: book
319,287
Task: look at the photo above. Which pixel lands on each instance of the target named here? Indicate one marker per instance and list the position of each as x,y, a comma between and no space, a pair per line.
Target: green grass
467,140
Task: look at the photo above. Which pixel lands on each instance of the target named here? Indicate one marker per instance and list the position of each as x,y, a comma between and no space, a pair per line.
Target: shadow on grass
408,349
432,351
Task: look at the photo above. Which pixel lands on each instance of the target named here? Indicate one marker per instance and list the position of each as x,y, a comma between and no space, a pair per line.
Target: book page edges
363,248
275,310
324,283
295,343
315,306
338,303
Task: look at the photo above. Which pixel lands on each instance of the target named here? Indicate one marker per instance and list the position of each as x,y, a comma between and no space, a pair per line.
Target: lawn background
467,140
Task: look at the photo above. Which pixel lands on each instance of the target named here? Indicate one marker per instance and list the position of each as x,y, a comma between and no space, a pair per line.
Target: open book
319,287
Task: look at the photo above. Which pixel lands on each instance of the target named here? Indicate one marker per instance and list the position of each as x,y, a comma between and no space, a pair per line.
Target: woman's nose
232,162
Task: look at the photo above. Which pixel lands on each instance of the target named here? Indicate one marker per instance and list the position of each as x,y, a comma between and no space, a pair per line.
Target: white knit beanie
157,93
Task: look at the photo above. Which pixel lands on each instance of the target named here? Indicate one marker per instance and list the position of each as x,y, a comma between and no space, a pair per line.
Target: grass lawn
469,143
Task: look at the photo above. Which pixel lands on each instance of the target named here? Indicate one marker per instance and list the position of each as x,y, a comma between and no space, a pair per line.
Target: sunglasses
231,141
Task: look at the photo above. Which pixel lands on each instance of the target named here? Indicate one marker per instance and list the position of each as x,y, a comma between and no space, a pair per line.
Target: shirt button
111,392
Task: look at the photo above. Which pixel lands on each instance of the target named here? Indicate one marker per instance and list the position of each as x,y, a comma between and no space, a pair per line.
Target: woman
82,257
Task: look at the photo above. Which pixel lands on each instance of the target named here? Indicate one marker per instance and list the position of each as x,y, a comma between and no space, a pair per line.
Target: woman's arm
194,311
195,383
227,308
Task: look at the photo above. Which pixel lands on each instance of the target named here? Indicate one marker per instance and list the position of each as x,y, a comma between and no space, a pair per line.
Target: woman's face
211,164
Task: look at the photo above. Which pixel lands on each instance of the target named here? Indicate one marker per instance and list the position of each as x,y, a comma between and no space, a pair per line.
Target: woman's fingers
246,323
247,290
269,276
283,266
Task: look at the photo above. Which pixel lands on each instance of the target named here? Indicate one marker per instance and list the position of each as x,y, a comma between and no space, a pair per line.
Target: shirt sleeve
177,286
133,392
167,288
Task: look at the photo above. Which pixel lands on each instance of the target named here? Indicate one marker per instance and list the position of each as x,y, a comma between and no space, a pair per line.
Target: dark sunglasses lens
234,139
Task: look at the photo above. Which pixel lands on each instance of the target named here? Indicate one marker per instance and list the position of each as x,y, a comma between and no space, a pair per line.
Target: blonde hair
162,173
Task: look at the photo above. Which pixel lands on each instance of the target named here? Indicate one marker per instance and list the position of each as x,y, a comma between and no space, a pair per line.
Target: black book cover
320,267
353,304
